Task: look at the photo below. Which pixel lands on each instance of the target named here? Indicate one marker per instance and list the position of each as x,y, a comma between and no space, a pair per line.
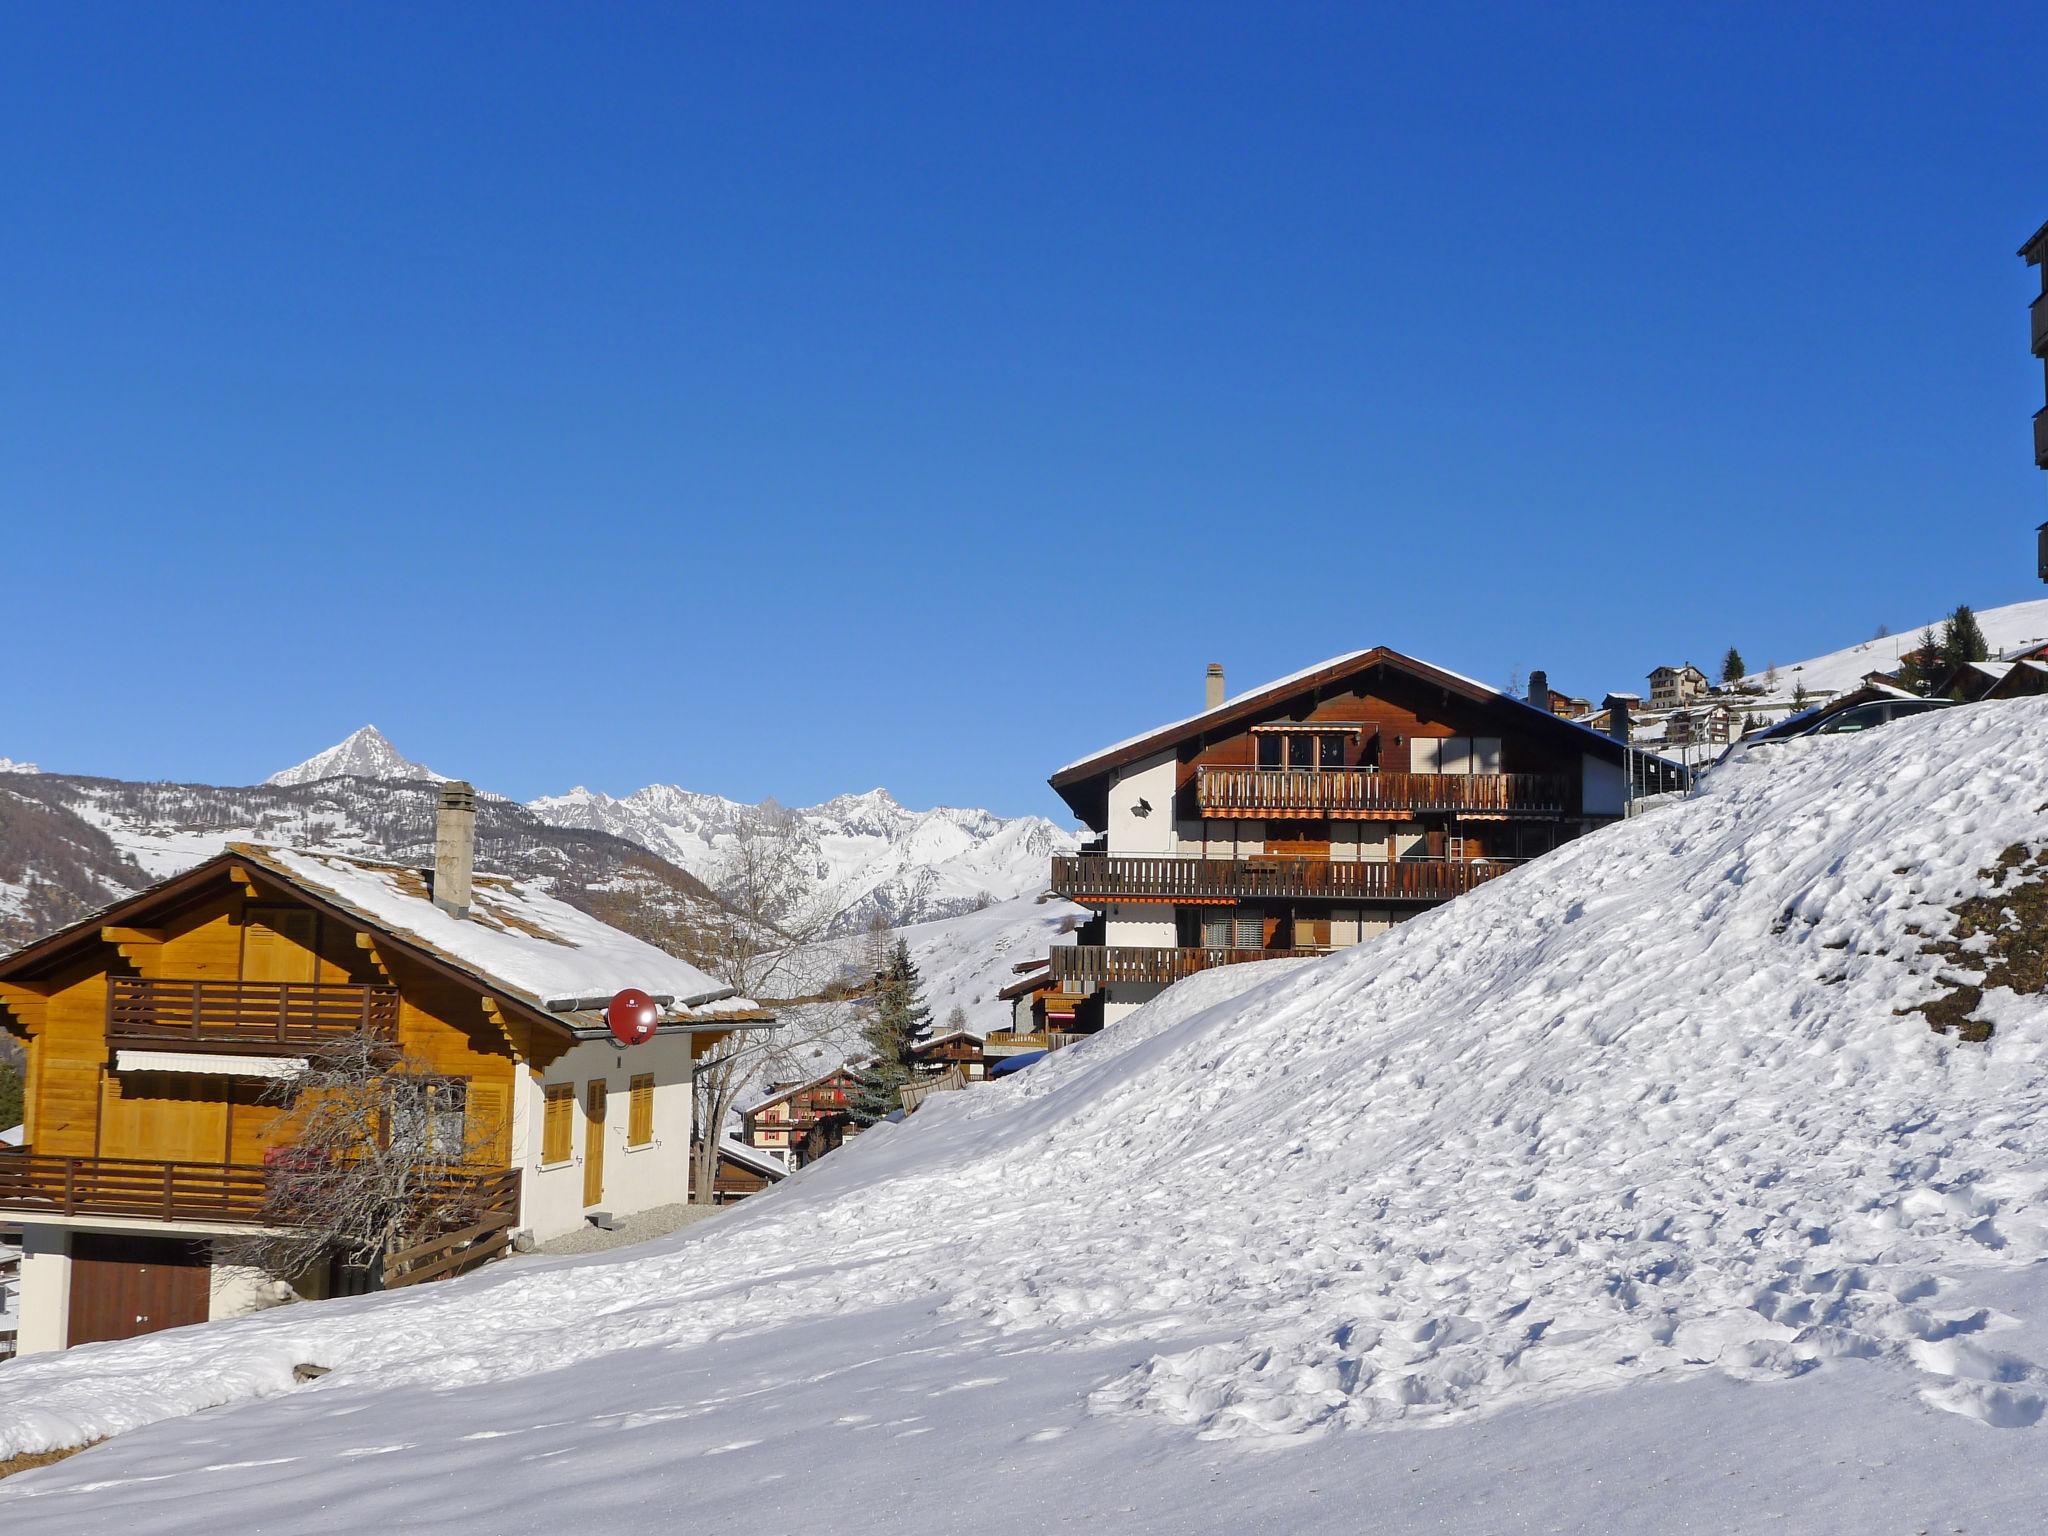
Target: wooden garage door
124,1286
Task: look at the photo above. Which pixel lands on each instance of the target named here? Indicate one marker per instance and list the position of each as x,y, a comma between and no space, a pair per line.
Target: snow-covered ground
2005,629
1623,1174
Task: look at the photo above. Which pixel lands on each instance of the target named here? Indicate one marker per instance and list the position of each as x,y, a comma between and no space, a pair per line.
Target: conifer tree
10,1096
1918,666
1962,639
896,1020
1732,669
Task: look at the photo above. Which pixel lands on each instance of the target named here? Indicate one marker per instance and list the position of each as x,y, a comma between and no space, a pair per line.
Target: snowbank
1644,1108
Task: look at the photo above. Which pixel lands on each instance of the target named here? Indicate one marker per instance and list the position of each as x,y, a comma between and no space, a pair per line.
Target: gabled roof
2035,251
792,1089
528,949
1339,669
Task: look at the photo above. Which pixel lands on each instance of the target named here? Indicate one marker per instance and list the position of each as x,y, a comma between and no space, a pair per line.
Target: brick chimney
1539,691
1213,695
454,847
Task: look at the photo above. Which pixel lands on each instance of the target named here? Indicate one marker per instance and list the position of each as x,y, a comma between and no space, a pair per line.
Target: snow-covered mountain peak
366,753
9,765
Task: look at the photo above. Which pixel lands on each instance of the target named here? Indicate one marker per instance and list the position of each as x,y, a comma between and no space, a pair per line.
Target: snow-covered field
2005,629
1623,1175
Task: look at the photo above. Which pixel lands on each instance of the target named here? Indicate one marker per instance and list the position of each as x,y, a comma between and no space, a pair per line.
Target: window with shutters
558,1122
640,1112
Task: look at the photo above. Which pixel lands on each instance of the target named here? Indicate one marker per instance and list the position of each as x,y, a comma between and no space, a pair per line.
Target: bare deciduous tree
373,1148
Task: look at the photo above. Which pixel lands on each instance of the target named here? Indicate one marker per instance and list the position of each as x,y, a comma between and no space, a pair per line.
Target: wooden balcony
2040,314
1364,794
118,1186
1103,877
202,1193
1100,964
2041,438
243,1015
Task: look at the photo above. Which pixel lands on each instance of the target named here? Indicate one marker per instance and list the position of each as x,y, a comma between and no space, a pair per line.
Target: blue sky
792,399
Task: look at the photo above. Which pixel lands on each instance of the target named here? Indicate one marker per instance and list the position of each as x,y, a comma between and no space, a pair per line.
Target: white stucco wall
1150,831
1126,998
44,1317
1141,924
1606,788
635,1178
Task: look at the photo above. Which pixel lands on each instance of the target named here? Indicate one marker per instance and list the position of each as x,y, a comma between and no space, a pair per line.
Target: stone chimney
1213,695
1539,691
454,847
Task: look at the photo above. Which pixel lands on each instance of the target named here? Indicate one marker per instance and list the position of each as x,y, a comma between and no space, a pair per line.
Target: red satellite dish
631,1017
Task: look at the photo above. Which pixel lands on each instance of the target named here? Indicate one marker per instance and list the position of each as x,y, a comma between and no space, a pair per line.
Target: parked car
1864,717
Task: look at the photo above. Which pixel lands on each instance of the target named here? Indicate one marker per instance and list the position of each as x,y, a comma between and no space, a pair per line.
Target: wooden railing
2041,438
495,1202
1110,877
2040,314
243,1015
1362,792
121,1186
33,1182
1101,964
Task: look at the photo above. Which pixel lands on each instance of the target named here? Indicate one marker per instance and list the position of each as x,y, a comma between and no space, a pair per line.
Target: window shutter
558,1125
640,1112
490,1124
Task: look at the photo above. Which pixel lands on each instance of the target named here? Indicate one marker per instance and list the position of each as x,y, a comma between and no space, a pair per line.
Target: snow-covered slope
2004,629
1644,1111
867,855
365,753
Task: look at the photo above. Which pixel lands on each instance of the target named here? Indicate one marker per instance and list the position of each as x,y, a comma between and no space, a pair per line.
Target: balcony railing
1100,964
243,1015
2041,438
1105,877
2040,313
32,1182
1365,793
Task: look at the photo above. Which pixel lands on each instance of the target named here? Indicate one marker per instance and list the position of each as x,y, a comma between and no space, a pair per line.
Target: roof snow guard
1076,782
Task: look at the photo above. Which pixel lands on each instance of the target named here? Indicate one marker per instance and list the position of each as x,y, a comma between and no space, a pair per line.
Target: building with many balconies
1314,812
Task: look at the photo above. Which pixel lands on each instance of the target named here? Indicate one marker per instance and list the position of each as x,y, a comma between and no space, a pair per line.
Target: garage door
124,1286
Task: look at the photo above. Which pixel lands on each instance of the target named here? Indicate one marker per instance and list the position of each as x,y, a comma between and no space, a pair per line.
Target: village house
801,1122
1312,813
2035,254
1675,687
154,1028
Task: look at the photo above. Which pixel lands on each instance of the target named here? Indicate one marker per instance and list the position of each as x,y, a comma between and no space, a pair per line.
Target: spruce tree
1918,666
896,1020
1962,639
1732,669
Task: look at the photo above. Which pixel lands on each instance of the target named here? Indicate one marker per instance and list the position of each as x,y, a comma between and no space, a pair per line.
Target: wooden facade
1312,813
152,1032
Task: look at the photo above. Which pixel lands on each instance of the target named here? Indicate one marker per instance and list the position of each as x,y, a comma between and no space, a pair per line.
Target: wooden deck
1366,794
1103,963
151,1014
1106,877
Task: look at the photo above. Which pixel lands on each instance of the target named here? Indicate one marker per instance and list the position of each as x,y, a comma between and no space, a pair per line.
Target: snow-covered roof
517,937
11,1137
1280,687
751,1157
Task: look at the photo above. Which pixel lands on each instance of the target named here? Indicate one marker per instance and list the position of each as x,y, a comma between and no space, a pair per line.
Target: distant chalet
1314,812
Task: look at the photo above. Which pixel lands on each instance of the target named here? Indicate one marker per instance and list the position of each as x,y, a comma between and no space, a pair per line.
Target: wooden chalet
744,1171
1314,812
153,1028
802,1121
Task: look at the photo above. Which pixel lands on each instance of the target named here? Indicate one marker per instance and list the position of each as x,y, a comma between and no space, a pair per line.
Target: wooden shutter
490,1124
558,1124
640,1113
